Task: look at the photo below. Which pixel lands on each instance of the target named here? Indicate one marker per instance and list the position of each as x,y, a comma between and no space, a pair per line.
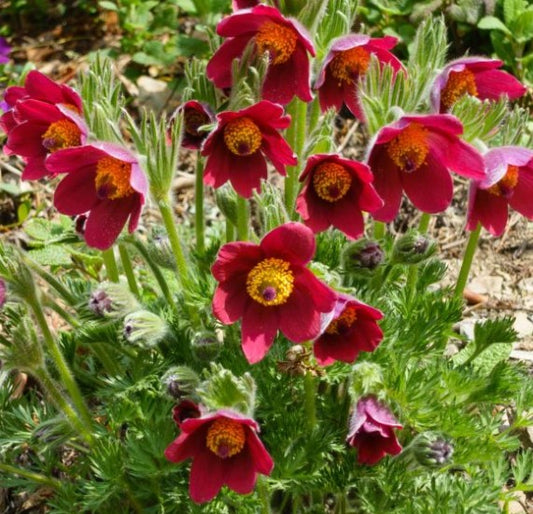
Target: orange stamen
459,83
344,322
349,65
61,134
113,178
242,136
331,181
410,147
504,187
276,39
225,437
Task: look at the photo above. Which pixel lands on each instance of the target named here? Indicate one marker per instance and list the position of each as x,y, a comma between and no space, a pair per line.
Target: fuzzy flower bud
432,449
227,202
367,378
160,250
113,300
144,328
180,381
362,257
412,248
206,346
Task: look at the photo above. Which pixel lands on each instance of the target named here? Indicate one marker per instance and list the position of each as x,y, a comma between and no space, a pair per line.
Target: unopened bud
113,300
144,328
432,449
412,248
197,116
180,381
226,199
160,250
362,257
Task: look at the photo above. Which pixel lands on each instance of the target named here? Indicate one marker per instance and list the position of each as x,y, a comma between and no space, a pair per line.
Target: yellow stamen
61,134
459,83
242,136
331,181
225,437
504,187
344,322
276,39
410,147
113,178
348,65
270,282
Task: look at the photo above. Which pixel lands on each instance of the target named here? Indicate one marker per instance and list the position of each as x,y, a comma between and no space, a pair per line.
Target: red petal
71,159
34,169
489,210
347,217
230,299
291,241
246,173
26,139
207,476
240,473
262,460
259,327
492,84
330,94
76,193
235,258
219,67
278,150
521,200
218,167
387,184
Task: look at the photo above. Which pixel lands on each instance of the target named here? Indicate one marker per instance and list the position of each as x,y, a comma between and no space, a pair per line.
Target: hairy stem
128,269
467,262
199,205
310,396
243,218
30,475
110,264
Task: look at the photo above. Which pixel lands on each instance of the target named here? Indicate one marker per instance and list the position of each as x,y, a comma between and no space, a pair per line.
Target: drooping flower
225,450
236,149
185,409
103,180
42,117
509,182
346,62
286,41
5,50
195,115
415,154
351,330
371,431
270,289
335,192
475,76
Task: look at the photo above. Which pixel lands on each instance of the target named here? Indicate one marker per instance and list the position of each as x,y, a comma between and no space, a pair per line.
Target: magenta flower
475,76
243,4
104,180
415,154
286,41
185,409
346,62
509,182
351,330
335,192
42,117
236,149
195,115
225,450
372,428
270,289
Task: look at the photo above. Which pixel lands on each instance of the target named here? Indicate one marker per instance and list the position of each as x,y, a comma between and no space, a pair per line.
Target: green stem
424,223
262,489
128,269
467,262
175,244
412,276
230,231
310,396
242,218
56,396
58,286
314,116
110,264
379,230
60,363
109,363
30,475
199,205
69,318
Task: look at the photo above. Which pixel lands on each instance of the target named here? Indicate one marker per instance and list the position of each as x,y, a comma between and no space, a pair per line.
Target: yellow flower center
410,147
331,181
504,187
61,134
348,65
225,437
270,282
344,322
276,39
193,120
113,178
242,136
459,83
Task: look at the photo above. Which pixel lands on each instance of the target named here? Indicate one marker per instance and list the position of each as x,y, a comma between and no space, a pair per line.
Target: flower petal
240,472
262,460
259,327
299,320
220,65
246,173
387,184
207,476
521,200
489,210
235,258
76,193
492,84
291,241
230,299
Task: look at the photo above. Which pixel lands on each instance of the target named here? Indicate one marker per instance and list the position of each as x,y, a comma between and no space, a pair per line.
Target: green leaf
512,9
10,189
191,46
492,23
53,255
110,6
523,27
23,211
38,228
495,331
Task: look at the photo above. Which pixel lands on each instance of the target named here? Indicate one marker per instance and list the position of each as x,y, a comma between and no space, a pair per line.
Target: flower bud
180,381
144,328
113,300
226,199
160,250
362,257
412,248
206,346
366,379
431,449
196,115
184,410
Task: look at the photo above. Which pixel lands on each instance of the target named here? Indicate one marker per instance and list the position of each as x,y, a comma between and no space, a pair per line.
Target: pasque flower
286,41
335,192
195,115
104,180
43,117
347,61
270,289
351,330
371,431
475,76
236,149
416,154
225,450
509,182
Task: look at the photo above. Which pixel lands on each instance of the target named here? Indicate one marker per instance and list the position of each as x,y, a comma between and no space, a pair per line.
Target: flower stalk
199,205
128,270
309,400
467,262
243,218
110,264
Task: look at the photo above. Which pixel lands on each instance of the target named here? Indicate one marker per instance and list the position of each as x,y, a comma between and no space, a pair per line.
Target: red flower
269,287
239,144
286,41
346,62
104,179
243,4
372,431
225,450
185,409
416,154
509,181
352,329
475,76
43,117
195,115
335,192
